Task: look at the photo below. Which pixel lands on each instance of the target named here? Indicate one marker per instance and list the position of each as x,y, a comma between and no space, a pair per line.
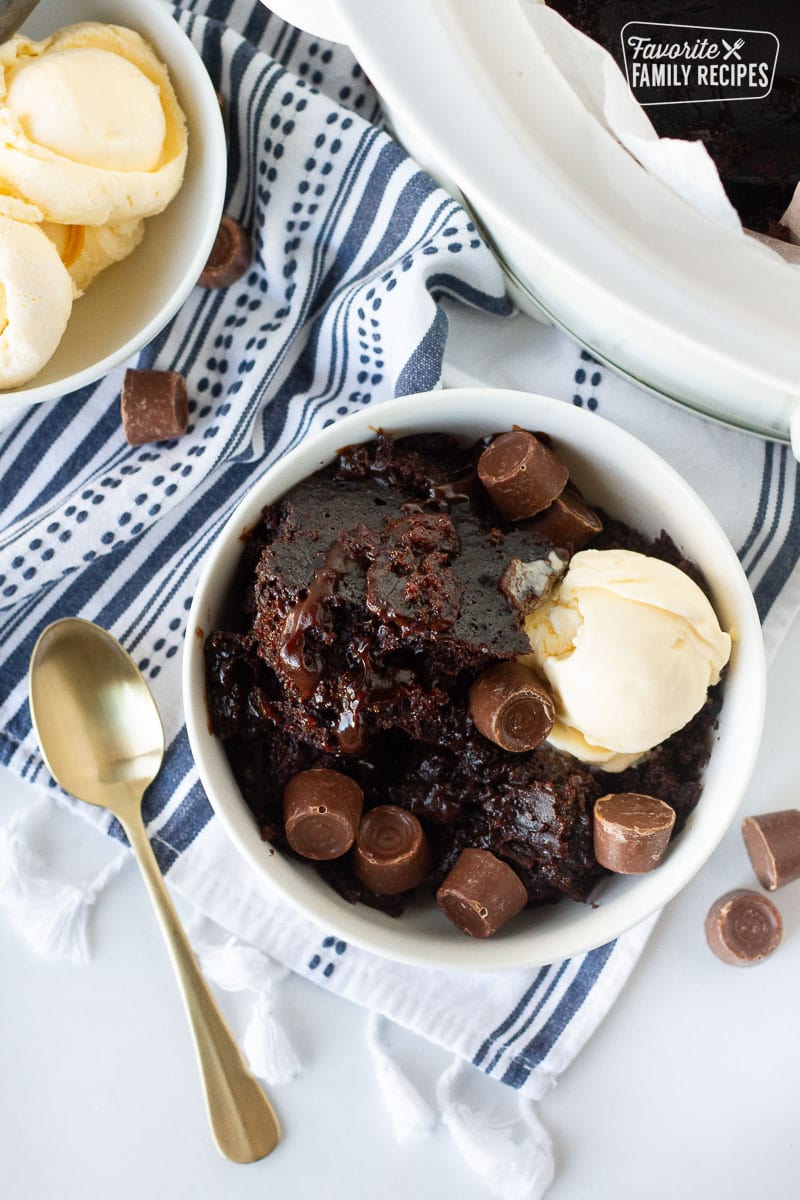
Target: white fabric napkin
355,250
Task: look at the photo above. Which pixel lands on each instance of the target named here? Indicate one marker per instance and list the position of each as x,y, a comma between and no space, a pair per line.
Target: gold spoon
14,13
101,736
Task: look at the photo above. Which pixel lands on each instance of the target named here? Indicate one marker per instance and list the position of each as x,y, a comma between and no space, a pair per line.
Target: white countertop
690,1087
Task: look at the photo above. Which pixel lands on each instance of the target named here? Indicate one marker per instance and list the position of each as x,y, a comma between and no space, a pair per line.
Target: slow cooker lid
501,121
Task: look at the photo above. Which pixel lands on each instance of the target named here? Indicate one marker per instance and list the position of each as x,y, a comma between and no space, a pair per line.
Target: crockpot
588,238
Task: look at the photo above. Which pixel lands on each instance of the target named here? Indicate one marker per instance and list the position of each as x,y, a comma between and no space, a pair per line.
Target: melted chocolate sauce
301,666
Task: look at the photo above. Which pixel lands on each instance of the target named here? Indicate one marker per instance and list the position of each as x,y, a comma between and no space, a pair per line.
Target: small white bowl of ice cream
112,177
627,646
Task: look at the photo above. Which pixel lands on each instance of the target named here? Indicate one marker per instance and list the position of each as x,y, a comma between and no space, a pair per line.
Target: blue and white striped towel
355,246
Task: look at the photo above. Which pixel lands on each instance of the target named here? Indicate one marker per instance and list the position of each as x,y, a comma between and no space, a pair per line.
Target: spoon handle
14,13
244,1124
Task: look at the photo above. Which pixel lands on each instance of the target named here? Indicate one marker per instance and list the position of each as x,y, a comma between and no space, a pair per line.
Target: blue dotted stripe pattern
587,379
338,311
326,958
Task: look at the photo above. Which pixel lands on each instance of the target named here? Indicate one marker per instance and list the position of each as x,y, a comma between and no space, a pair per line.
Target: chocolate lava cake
367,602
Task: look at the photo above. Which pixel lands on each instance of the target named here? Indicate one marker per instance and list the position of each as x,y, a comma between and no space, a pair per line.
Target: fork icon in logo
733,50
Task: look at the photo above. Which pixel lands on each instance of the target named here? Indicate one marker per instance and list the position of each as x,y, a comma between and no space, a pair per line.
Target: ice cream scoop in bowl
128,221
631,646
614,473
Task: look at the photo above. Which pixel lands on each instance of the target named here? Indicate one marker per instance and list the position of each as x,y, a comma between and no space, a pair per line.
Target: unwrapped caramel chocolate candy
568,522
230,256
481,893
510,707
154,406
772,841
391,853
631,832
743,927
321,811
521,475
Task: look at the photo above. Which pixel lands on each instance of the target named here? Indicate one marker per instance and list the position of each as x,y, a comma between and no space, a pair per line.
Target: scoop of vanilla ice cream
20,210
629,646
89,105
91,131
92,141
35,300
86,250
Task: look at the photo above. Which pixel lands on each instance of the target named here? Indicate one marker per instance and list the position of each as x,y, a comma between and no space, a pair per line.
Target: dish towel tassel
411,1116
50,915
514,1158
236,967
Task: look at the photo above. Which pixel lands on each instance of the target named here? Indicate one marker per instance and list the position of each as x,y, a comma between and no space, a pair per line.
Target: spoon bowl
102,739
95,717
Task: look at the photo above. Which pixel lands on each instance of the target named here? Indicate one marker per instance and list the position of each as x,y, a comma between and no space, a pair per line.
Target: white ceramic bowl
627,479
132,301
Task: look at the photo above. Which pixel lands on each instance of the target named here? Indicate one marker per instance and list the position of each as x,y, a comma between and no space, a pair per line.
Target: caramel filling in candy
772,841
743,927
521,475
631,832
525,583
391,854
481,893
321,811
510,707
154,406
230,256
